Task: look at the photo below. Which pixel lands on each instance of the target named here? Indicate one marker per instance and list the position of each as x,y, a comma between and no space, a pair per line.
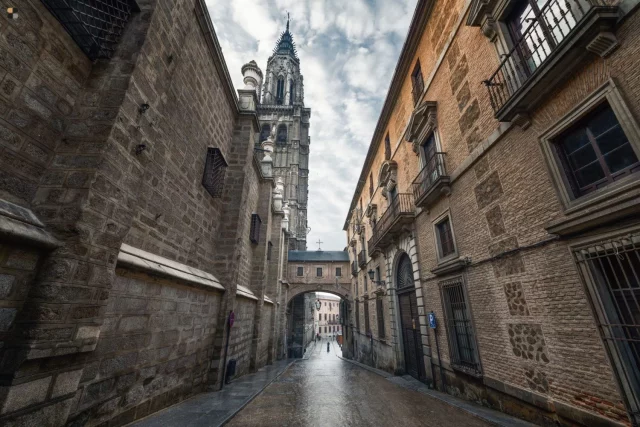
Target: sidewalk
213,409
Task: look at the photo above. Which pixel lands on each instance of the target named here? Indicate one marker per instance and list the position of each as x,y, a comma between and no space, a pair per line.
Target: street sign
232,318
432,320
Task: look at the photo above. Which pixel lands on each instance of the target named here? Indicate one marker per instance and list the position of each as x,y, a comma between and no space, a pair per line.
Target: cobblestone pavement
324,390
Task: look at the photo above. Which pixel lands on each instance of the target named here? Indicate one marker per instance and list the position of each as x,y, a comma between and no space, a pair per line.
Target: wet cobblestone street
324,390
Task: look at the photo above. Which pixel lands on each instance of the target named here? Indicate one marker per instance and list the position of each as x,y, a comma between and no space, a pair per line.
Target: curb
230,417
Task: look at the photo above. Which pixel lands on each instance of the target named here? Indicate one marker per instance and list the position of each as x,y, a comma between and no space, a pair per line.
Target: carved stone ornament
371,209
423,122
479,9
489,28
388,176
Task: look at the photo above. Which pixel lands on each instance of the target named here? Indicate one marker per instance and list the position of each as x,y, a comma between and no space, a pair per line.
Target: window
280,91
367,327
319,272
325,329
215,168
380,318
378,277
357,316
446,246
300,271
417,82
338,272
96,25
387,147
265,131
371,185
254,235
325,316
292,92
462,345
612,271
595,152
269,248
281,138
365,283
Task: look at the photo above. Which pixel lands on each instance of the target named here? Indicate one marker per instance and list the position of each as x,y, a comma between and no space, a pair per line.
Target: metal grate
612,270
214,172
256,222
462,343
95,25
380,318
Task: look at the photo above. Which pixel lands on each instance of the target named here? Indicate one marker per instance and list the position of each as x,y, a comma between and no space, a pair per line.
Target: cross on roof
319,242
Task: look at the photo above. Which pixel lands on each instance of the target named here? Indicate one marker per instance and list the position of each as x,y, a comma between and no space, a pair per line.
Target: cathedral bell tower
282,107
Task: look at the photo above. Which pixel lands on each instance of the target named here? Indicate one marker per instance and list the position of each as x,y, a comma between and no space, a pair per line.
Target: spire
285,44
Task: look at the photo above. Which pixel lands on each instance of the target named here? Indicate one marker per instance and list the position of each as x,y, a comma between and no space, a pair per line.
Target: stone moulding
243,291
154,264
20,225
423,122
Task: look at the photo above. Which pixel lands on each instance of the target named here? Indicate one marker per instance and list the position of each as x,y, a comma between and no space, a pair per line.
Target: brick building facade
499,197
135,215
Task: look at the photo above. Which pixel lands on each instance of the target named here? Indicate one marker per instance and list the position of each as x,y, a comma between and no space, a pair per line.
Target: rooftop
316,256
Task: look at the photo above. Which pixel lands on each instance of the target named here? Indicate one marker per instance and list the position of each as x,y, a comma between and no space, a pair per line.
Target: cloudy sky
348,50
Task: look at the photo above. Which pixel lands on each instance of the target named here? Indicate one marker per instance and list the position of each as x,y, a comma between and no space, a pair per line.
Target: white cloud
348,50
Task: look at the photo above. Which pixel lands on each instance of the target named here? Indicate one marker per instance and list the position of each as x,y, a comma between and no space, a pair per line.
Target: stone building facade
328,316
135,215
282,112
497,210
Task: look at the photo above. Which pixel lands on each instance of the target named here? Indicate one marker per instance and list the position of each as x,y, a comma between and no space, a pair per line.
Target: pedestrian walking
327,347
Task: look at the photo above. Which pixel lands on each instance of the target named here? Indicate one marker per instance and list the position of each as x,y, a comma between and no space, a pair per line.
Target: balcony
399,213
354,269
551,48
362,258
432,182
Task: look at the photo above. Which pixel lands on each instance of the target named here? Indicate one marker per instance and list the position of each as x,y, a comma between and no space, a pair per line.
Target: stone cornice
418,24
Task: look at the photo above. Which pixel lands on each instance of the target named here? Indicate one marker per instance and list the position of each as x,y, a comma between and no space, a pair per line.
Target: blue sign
432,320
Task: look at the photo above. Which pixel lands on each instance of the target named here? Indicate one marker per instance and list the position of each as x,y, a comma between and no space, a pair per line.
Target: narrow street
324,390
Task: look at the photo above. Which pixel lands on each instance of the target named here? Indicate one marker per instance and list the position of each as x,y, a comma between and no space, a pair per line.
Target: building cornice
416,29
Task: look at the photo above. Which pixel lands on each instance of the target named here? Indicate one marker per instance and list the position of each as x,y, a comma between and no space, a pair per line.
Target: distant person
327,347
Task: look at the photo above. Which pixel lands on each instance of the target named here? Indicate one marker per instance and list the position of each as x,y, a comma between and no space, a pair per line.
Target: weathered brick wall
155,345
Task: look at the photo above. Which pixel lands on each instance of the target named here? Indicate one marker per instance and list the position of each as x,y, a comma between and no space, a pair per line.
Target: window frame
446,312
299,270
609,93
436,233
214,172
380,318
387,147
254,232
417,72
319,270
338,271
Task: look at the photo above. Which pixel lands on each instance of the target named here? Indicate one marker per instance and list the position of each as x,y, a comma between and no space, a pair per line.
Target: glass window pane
574,140
589,175
582,157
611,139
621,158
602,121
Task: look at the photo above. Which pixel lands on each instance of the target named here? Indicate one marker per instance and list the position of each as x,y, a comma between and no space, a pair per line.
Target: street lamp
372,275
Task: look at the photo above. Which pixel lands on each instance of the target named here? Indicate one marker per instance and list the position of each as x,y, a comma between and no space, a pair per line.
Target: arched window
280,91
292,92
282,134
264,133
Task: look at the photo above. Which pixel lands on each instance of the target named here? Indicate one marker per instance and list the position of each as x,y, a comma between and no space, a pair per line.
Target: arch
404,272
264,132
342,291
282,134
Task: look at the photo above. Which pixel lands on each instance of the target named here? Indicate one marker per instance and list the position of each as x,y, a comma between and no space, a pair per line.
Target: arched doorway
409,320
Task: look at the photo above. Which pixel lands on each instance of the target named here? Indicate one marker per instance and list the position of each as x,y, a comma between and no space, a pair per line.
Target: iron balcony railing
430,175
544,33
400,206
354,269
362,258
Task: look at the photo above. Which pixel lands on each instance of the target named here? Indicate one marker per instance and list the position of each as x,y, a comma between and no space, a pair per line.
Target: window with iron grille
371,185
417,82
367,326
595,152
256,222
380,318
446,245
300,271
462,342
612,271
387,147
319,272
95,25
338,272
215,168
269,248
357,316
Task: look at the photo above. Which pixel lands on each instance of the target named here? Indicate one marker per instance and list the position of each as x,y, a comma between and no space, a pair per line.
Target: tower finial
287,21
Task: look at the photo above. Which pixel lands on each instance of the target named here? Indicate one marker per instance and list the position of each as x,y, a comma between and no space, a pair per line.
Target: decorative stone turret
252,76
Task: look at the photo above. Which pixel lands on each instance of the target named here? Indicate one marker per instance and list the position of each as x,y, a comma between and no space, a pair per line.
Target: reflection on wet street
324,390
